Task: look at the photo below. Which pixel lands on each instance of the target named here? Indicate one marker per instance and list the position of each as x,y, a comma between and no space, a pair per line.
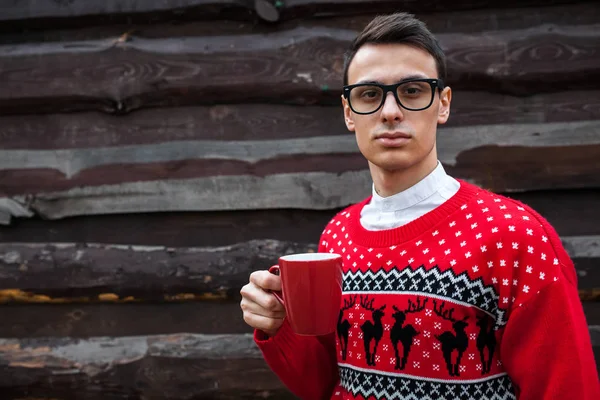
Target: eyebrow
406,78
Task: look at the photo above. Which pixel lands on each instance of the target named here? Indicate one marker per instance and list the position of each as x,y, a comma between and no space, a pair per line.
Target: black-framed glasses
411,94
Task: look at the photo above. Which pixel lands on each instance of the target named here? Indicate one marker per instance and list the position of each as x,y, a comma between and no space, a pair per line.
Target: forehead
389,63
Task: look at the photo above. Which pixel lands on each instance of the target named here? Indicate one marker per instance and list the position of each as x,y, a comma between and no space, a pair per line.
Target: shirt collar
415,194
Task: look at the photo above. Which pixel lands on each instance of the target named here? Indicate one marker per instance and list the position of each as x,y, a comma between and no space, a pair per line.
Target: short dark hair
398,28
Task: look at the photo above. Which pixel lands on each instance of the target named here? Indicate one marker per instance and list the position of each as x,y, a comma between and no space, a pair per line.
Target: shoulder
338,224
517,217
341,217
523,230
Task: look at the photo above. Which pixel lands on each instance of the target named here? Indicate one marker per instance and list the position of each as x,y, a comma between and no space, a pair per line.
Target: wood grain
269,122
121,319
317,190
452,143
316,173
576,168
571,212
312,190
75,13
80,320
54,273
302,66
151,25
180,366
183,366
58,273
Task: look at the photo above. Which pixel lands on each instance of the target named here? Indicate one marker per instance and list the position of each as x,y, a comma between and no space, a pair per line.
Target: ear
445,100
348,115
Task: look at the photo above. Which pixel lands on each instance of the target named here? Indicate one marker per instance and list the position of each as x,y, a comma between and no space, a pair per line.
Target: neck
388,183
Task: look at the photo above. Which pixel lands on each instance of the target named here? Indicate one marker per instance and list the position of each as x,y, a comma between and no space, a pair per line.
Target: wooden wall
154,153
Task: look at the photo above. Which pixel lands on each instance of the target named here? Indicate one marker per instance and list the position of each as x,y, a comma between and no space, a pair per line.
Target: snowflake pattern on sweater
425,305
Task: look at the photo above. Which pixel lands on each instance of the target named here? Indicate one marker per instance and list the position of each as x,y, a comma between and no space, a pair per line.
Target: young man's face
413,133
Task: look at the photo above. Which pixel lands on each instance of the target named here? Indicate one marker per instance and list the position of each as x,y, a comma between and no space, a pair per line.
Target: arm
305,364
546,349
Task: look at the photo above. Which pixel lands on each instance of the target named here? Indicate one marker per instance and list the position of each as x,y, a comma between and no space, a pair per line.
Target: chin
395,163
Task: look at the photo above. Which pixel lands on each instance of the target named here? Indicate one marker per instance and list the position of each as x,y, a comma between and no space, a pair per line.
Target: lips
393,139
393,135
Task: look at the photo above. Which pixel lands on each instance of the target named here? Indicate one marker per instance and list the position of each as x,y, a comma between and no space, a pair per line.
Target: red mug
312,288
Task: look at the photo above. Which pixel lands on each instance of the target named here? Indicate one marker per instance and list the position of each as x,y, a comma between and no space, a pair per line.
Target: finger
262,299
247,305
265,324
266,280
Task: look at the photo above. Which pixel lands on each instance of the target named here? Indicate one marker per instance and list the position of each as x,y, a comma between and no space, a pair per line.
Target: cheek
363,127
425,128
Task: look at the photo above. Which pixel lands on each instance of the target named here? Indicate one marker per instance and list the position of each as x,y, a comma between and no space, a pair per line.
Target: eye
370,94
413,90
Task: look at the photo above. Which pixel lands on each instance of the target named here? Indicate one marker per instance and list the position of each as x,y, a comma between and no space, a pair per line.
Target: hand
261,308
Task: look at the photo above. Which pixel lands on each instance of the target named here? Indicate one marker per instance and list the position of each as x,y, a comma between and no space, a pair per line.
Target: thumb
266,280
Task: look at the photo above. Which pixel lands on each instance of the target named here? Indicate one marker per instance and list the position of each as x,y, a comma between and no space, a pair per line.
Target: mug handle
278,295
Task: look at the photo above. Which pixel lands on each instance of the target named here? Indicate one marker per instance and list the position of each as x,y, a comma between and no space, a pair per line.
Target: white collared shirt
397,210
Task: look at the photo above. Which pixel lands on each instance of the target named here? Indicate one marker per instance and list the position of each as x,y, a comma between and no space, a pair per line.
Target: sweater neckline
405,233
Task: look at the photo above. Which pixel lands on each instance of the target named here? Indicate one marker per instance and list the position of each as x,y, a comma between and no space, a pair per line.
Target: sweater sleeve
546,347
307,365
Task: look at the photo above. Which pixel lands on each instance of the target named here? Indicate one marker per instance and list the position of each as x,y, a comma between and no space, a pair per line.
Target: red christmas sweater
475,300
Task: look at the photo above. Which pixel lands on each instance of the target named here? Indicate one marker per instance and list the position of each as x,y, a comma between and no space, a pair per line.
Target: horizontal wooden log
571,212
79,320
223,175
301,65
74,13
58,273
121,319
116,273
588,272
150,25
269,122
182,366
453,142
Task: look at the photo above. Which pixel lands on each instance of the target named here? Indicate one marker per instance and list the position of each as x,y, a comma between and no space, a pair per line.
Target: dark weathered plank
57,273
591,310
123,319
188,228
318,172
453,142
177,367
301,65
144,367
151,26
31,14
588,272
273,122
571,212
303,8
570,167
317,190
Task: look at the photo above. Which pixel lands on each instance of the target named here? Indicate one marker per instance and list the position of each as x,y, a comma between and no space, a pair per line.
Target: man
450,291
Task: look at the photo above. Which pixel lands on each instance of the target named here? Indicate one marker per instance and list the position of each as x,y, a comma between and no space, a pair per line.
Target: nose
391,110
